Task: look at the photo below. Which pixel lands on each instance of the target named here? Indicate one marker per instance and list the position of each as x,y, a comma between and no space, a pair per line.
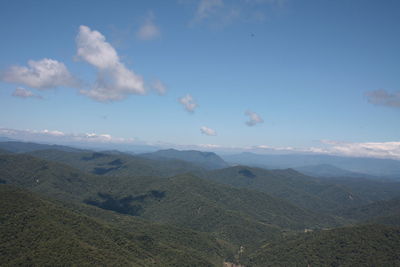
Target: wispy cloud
42,74
209,146
114,80
188,102
159,87
254,118
57,136
221,13
363,149
208,131
384,98
24,93
148,30
338,148
206,8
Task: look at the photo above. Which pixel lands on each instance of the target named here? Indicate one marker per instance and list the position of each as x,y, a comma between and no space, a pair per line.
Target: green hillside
3,152
369,189
158,213
240,216
307,192
368,245
113,164
374,210
37,232
53,179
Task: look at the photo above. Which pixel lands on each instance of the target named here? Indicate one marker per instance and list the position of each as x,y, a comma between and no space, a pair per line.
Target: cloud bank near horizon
389,150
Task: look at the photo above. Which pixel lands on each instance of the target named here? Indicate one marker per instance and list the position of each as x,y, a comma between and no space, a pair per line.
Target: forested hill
42,233
367,245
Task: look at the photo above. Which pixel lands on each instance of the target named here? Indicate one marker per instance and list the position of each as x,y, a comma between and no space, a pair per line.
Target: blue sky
314,76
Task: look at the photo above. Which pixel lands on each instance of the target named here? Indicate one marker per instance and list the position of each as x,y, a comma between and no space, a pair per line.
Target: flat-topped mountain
207,160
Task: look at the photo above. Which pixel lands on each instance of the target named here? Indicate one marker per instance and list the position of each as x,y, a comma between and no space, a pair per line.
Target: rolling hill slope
307,192
373,211
42,233
114,164
368,245
3,151
239,216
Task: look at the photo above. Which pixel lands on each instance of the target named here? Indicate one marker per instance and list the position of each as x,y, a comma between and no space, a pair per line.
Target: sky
316,76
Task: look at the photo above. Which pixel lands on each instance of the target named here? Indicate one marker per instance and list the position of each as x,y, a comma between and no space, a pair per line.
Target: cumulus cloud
383,98
24,93
159,87
208,131
254,118
188,102
42,74
114,80
148,30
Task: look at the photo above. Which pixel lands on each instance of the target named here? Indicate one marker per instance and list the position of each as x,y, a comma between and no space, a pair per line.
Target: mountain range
174,208
382,168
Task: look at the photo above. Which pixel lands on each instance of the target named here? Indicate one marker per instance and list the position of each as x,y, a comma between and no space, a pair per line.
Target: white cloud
159,87
61,137
102,138
350,149
188,102
254,118
114,80
367,149
43,74
54,133
383,98
208,146
24,93
208,131
271,148
148,30
93,48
